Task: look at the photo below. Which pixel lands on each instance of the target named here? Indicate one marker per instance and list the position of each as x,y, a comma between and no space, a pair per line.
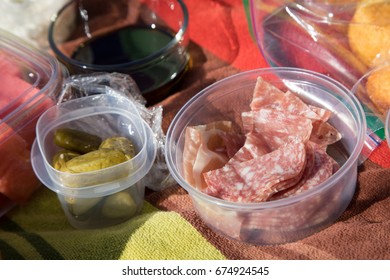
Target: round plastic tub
145,39
287,219
30,82
104,197
372,90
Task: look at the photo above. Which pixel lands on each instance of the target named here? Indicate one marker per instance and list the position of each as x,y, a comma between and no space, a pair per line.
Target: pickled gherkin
120,143
79,206
76,140
61,157
86,153
119,205
95,160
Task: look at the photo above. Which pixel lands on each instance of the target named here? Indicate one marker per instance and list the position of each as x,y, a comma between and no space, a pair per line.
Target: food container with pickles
94,152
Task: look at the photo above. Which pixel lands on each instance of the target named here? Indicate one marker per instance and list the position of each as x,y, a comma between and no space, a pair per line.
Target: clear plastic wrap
343,39
83,85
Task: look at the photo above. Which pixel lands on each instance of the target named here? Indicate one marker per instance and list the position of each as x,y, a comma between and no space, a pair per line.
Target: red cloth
224,32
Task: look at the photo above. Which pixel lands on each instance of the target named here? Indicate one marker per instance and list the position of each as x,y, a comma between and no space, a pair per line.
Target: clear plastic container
31,82
288,219
373,91
107,196
145,39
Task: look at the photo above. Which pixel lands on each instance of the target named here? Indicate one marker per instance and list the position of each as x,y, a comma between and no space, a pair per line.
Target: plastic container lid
30,82
28,78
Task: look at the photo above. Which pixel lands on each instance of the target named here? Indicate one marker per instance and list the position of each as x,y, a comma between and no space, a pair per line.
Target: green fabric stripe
42,247
151,235
7,252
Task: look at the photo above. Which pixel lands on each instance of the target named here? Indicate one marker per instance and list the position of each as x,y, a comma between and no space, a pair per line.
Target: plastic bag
338,38
78,86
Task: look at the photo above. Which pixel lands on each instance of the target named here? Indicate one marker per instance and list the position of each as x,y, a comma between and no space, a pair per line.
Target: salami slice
323,114
254,146
324,134
322,168
265,94
247,121
293,105
258,179
233,142
268,96
277,128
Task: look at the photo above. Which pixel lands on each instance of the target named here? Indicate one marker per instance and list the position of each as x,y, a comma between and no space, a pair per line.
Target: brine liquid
132,43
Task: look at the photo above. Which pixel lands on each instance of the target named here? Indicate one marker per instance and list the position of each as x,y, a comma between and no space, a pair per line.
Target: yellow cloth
40,230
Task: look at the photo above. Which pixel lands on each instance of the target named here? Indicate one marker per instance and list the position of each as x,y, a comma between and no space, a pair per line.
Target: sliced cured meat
322,168
281,151
225,183
265,94
233,142
204,150
322,113
277,128
247,122
254,146
206,160
258,179
290,104
293,105
274,171
324,134
268,96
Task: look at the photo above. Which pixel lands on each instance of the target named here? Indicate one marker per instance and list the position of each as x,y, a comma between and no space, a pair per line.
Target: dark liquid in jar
130,44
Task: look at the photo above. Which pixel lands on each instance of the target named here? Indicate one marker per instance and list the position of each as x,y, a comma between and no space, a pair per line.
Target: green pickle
61,157
119,205
85,152
95,160
76,140
119,143
80,206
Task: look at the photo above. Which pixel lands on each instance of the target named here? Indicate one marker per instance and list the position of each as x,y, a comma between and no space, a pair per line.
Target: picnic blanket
168,227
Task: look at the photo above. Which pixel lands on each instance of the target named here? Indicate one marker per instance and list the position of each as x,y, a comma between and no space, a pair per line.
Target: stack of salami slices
281,151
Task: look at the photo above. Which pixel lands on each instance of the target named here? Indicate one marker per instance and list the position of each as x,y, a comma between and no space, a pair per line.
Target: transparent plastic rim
351,161
142,168
170,47
40,168
315,15
140,153
54,71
